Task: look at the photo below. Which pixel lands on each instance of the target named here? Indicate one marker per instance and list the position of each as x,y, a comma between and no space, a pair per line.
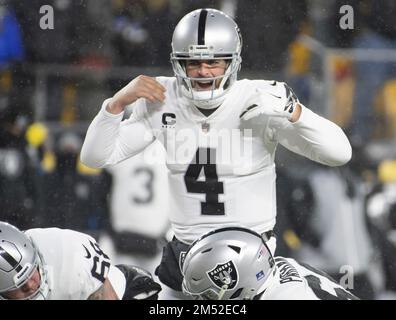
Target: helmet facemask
206,99
42,291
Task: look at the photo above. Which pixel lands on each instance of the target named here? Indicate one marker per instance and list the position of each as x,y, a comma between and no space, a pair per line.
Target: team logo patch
168,120
224,274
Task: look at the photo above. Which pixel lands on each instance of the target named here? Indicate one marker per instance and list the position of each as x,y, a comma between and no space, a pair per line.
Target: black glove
139,284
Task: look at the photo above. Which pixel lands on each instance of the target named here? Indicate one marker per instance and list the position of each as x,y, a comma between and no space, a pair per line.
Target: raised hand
140,87
272,104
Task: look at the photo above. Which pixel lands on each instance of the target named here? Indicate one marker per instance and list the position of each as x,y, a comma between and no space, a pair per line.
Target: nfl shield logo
224,274
205,127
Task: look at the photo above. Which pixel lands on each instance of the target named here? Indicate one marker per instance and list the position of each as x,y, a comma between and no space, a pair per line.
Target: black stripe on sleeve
247,109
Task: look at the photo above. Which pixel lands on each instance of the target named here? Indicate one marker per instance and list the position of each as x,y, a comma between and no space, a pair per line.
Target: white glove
270,104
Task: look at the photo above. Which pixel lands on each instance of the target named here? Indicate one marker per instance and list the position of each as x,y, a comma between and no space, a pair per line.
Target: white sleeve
85,266
110,140
117,280
312,136
289,291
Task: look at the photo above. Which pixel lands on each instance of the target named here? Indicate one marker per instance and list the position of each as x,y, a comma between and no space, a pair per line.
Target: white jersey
139,196
340,220
294,281
75,265
233,181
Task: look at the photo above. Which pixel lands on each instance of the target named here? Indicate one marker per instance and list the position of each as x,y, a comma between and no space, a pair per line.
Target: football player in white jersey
220,135
236,264
138,221
60,264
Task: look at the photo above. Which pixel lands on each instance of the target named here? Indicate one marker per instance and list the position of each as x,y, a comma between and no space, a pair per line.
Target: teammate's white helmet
19,258
228,263
206,34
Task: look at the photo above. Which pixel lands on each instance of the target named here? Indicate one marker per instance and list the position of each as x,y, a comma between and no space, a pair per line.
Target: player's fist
271,104
140,87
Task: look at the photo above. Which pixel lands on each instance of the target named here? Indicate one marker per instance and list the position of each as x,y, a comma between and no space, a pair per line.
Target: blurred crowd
328,217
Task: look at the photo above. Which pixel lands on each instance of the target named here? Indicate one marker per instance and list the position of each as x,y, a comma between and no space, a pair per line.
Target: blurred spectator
12,54
381,211
379,33
299,64
11,44
159,22
130,37
93,33
268,28
138,220
58,45
75,194
81,31
325,17
190,5
345,246
17,173
142,30
295,211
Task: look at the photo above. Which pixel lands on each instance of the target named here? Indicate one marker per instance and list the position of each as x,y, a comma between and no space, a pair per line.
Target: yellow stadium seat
387,171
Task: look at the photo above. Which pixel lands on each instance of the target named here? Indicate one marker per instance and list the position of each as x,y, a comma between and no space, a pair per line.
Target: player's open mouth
203,85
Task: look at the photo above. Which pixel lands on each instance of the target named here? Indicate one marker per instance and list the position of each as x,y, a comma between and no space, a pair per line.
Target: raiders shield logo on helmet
224,274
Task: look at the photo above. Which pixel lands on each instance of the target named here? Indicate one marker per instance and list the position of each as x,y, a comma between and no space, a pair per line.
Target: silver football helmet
228,263
206,34
19,258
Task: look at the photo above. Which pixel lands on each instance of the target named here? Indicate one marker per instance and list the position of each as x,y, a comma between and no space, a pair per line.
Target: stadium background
52,82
